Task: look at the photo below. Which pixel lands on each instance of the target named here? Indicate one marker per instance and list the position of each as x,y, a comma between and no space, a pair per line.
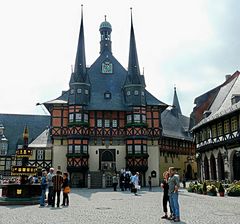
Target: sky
190,44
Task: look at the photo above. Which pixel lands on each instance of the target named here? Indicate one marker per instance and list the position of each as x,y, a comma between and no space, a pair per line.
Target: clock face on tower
107,67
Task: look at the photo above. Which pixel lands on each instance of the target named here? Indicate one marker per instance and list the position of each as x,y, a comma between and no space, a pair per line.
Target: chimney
227,77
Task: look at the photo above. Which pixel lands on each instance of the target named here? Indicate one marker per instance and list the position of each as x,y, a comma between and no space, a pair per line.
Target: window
39,154
219,129
129,119
143,93
128,93
72,91
107,95
3,148
214,131
129,149
8,165
114,123
86,91
77,149
137,149
144,149
208,133
85,117
135,92
70,149
144,118
107,123
71,117
99,123
226,127
79,91
136,118
78,117
234,124
85,149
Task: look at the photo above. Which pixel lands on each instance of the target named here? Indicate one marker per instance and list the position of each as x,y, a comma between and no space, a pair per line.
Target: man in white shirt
50,186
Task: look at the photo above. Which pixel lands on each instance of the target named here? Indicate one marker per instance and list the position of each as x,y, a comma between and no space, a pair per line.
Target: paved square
92,206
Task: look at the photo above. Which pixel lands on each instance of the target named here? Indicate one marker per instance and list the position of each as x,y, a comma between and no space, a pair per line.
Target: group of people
170,185
55,183
127,181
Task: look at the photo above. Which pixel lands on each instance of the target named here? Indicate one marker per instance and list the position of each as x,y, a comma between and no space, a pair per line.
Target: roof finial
82,10
131,14
105,17
175,87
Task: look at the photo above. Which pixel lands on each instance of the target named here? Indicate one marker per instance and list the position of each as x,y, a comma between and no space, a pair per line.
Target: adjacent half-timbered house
216,125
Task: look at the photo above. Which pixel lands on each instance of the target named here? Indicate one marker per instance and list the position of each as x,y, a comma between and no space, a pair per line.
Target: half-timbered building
107,120
216,125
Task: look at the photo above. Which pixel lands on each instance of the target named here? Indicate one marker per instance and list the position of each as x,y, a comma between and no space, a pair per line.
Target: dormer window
79,91
128,93
72,91
143,93
107,95
86,91
235,98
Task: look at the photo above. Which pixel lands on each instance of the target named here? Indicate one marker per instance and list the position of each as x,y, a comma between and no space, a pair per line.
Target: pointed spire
133,65
80,62
176,106
25,135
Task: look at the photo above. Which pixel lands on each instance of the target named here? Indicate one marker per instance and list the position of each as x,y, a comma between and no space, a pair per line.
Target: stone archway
213,167
220,162
236,166
107,159
206,168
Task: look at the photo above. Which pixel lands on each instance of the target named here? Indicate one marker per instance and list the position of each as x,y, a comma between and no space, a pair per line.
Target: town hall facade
107,120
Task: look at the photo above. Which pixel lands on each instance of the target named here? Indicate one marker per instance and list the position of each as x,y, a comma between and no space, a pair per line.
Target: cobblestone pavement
105,206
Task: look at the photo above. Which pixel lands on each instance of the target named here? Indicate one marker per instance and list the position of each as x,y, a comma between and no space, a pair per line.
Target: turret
105,31
79,83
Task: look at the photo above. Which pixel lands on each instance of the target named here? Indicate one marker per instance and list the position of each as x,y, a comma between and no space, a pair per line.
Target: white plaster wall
93,161
59,157
153,164
94,158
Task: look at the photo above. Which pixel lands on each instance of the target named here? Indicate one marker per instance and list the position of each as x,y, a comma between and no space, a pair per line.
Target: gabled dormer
134,87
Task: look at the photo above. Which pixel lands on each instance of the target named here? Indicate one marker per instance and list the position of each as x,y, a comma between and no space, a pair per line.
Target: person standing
66,190
165,188
115,182
57,185
173,182
50,185
135,181
43,187
150,183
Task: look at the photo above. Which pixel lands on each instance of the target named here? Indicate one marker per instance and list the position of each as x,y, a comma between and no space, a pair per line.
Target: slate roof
14,125
42,141
222,103
101,83
175,126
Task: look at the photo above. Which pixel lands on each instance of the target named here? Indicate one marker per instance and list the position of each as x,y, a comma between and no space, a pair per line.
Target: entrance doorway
107,159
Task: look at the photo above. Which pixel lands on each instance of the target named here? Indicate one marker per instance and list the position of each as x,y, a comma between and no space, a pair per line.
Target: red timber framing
107,124
59,121
177,146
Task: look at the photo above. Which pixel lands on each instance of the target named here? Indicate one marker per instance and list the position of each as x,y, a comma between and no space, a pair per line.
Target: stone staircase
96,179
